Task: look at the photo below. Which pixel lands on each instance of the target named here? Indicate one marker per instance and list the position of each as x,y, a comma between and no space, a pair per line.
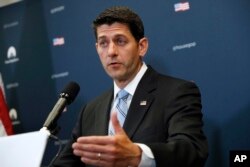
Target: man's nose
112,50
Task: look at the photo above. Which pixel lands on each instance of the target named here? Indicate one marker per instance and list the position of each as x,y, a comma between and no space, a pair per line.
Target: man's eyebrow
101,37
115,36
120,35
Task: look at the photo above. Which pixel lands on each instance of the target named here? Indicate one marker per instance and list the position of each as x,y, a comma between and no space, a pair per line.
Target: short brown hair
121,15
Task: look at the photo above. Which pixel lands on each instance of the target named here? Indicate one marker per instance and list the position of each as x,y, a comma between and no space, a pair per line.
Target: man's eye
121,42
103,43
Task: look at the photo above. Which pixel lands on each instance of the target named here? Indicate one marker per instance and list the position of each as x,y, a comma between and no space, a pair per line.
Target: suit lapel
141,102
102,114
136,114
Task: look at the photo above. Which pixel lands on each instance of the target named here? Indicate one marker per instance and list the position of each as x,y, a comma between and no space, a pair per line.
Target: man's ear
96,45
143,46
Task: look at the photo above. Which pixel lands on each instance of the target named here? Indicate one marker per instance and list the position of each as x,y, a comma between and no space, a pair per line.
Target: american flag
6,127
58,41
181,6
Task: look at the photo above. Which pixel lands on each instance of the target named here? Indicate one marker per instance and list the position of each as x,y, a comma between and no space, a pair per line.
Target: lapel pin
143,103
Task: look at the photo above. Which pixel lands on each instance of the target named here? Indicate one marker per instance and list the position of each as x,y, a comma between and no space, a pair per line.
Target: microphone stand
51,134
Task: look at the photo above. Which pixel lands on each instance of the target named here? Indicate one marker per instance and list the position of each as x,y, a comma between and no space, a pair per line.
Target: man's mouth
114,64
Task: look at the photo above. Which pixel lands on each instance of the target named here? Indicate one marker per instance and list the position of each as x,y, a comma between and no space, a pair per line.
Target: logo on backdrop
14,116
181,7
9,25
58,41
184,46
60,75
57,9
12,85
11,55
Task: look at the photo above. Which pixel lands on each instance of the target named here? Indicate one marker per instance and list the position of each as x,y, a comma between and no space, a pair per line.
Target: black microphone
67,96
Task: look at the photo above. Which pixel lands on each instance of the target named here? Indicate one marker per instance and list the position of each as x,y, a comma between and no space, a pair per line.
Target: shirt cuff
147,158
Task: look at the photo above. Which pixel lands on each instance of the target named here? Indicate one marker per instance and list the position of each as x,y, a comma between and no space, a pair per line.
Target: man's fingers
95,140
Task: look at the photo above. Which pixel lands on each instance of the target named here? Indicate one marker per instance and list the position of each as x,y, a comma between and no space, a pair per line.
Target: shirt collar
130,88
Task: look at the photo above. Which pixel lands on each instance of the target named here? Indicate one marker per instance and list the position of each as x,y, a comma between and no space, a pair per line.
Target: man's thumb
116,125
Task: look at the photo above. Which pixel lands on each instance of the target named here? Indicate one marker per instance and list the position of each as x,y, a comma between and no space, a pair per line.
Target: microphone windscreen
70,91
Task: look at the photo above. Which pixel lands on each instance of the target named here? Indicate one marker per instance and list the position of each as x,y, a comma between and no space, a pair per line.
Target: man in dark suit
163,124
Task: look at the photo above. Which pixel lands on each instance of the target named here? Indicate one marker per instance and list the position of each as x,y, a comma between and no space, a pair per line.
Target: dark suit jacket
170,122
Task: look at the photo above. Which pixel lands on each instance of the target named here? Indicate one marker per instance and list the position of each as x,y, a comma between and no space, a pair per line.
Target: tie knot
122,94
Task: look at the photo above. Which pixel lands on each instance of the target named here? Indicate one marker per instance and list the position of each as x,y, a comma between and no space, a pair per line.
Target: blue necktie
121,108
